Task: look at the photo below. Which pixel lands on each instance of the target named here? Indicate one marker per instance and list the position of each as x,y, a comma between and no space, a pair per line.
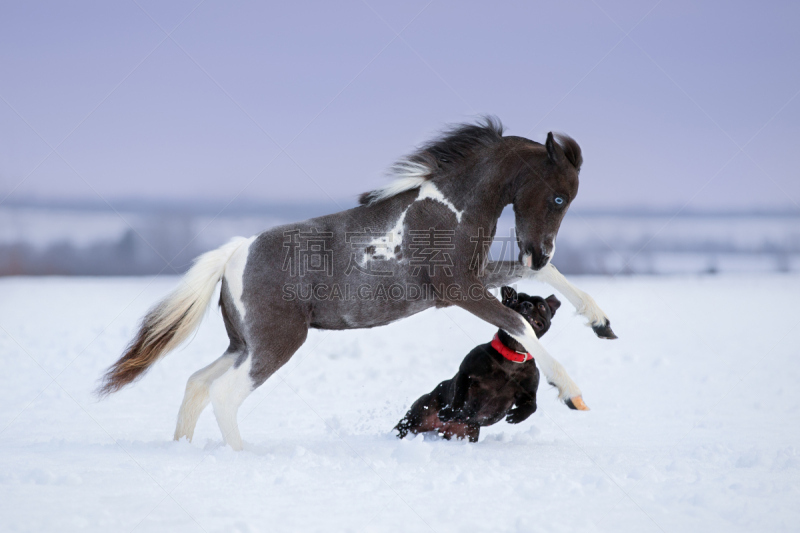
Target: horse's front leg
482,304
499,273
584,304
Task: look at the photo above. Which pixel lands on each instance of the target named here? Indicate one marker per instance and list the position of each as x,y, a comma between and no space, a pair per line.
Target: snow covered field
694,421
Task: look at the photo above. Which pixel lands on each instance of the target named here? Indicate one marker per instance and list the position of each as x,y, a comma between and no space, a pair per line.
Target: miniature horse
421,241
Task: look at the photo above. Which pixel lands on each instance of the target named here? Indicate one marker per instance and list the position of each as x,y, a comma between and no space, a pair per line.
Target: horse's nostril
539,261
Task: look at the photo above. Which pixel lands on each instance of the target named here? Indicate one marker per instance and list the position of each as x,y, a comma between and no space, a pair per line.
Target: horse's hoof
604,331
577,404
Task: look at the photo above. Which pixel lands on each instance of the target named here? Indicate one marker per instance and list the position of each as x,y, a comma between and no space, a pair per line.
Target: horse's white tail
171,321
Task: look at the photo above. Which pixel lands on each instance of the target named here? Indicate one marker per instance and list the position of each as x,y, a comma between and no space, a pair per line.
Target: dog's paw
514,416
603,330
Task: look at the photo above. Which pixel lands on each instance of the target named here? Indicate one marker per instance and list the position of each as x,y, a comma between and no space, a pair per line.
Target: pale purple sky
674,103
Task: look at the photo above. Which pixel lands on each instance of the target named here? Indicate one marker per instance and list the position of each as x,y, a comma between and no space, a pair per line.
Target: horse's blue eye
559,200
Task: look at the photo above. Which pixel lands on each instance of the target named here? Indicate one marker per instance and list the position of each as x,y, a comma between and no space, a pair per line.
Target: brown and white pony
419,242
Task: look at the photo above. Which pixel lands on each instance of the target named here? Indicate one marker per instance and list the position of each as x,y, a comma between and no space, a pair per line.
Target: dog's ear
553,303
509,296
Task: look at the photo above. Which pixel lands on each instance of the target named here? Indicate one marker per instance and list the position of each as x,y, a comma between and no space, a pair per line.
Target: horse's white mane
407,174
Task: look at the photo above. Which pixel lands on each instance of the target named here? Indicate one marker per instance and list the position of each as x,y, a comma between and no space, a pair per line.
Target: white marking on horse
583,303
551,368
429,191
411,175
234,274
548,247
385,245
227,394
196,397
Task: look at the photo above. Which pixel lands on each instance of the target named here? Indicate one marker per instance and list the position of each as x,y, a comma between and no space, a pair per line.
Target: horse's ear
554,151
553,303
509,296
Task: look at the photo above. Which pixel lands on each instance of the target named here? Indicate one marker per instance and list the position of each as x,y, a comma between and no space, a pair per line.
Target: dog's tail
172,320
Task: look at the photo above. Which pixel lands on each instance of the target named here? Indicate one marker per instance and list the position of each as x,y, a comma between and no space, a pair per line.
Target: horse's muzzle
534,259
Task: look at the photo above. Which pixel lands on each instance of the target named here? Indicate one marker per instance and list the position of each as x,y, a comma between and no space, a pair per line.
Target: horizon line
262,207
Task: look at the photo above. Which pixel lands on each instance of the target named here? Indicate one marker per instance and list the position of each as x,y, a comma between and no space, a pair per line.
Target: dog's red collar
508,353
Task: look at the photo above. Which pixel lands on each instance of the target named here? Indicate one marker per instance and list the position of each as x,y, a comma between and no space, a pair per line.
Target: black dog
495,380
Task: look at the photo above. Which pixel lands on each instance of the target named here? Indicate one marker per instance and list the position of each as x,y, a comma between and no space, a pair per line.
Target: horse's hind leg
267,353
227,393
196,397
